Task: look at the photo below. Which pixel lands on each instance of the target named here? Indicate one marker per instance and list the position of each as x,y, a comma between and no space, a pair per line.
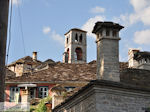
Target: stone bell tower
75,46
107,39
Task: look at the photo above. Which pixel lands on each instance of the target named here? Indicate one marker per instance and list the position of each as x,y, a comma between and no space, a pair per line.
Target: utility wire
9,36
22,34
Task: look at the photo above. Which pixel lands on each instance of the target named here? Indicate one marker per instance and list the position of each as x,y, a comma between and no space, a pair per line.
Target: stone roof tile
62,72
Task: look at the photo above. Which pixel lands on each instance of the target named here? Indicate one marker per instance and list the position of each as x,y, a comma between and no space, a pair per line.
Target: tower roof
75,29
106,24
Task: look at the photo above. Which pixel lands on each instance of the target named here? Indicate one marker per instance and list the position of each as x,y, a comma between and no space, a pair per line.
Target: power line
22,34
9,37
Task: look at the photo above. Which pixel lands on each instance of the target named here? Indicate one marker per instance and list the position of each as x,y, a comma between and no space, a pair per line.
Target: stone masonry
107,39
107,96
72,41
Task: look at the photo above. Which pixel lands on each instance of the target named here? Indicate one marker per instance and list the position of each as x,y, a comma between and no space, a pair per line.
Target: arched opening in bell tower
81,38
78,53
76,37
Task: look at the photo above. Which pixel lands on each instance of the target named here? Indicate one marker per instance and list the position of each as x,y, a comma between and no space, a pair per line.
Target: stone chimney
107,39
131,61
34,55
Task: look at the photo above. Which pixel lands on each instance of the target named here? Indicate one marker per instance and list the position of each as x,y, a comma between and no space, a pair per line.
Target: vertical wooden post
4,7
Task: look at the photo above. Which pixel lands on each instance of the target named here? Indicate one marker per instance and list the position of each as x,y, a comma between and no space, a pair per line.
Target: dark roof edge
76,29
104,83
100,24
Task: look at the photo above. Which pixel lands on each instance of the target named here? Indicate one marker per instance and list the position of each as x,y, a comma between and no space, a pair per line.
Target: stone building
104,85
110,92
139,59
24,65
75,46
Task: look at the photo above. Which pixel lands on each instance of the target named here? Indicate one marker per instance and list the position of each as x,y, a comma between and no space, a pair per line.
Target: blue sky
44,23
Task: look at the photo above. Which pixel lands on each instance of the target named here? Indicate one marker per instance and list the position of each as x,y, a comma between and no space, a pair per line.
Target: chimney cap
106,24
34,55
133,49
34,52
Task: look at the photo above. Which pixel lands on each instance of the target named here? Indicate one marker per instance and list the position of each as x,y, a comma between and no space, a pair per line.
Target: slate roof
80,72
63,72
60,72
45,64
10,74
26,60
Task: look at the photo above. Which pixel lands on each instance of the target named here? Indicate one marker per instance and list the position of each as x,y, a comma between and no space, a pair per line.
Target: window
14,94
81,38
67,56
76,37
43,92
145,60
114,33
107,32
67,40
32,92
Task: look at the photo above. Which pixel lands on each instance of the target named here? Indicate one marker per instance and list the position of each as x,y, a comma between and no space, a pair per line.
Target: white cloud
46,30
141,13
122,19
16,2
145,16
53,35
138,5
97,9
88,26
142,37
57,37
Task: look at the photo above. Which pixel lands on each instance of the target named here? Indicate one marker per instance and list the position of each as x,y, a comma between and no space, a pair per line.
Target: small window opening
114,33
145,60
107,32
76,38
67,56
81,38
67,40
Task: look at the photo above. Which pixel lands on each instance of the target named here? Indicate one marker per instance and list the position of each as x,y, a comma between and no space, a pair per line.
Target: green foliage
32,108
41,106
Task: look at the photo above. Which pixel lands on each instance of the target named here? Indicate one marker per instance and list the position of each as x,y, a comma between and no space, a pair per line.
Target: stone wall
108,59
138,77
106,96
72,45
107,39
145,66
19,69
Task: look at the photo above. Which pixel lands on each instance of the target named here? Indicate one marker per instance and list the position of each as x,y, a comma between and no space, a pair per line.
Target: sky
40,25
